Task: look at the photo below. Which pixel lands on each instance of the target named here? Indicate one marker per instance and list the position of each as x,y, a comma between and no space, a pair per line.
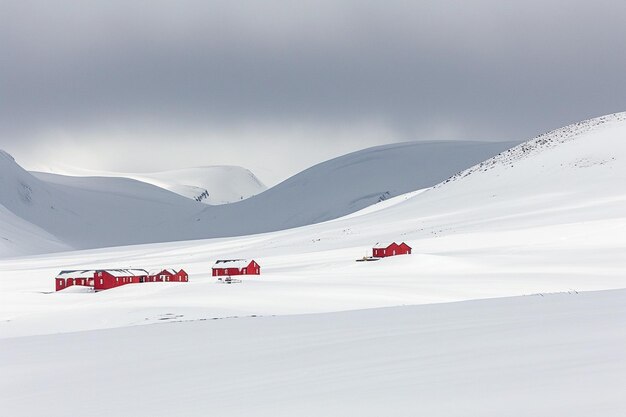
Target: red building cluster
104,279
383,250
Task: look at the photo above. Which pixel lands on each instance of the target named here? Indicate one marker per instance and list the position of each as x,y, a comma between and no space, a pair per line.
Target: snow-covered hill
18,237
548,216
351,182
89,212
212,185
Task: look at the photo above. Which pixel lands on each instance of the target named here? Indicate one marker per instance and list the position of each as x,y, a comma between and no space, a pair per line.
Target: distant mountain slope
18,237
89,212
349,183
575,174
214,185
210,185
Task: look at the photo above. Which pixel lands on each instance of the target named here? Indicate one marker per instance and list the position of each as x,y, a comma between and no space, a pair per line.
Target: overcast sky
277,86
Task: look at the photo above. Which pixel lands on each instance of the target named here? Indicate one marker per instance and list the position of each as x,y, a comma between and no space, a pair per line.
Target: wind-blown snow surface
212,185
91,212
542,220
555,355
548,216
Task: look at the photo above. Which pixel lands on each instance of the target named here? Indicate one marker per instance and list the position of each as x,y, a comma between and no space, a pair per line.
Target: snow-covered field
548,216
554,355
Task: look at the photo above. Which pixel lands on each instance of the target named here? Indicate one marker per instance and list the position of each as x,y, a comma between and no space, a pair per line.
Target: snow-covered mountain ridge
349,183
90,212
219,184
210,185
545,141
72,212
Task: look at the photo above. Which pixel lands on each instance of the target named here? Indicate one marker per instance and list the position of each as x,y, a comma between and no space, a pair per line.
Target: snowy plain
556,355
548,216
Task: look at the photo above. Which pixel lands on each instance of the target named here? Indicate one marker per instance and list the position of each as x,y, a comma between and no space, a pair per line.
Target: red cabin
74,277
169,275
227,267
105,279
383,250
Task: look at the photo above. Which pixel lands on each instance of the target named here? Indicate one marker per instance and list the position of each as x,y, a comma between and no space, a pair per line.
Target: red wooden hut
105,279
169,275
383,250
69,278
227,267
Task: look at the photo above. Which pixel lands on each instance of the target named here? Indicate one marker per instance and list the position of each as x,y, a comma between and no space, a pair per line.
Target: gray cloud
324,76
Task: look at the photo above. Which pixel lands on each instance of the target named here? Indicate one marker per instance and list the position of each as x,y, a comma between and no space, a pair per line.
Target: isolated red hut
228,267
74,277
169,275
383,250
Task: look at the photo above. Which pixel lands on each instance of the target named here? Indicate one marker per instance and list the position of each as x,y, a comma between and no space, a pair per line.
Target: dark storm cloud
416,69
